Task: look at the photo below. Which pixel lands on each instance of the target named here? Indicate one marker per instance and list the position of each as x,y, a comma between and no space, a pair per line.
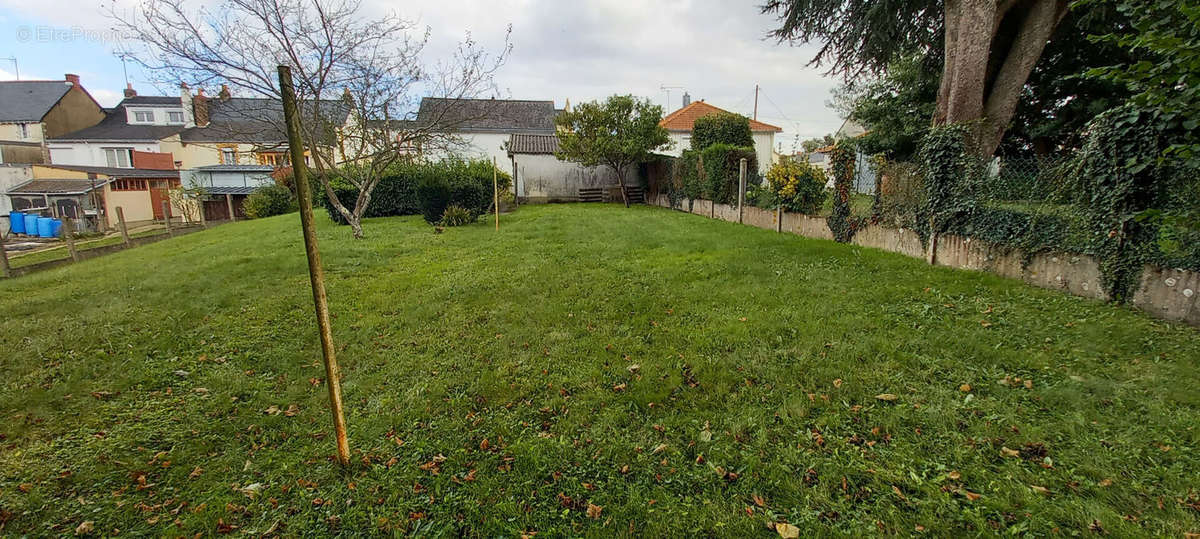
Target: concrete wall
11,176
1169,294
76,110
544,178
13,132
91,153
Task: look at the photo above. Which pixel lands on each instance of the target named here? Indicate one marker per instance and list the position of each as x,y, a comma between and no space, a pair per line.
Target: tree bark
621,182
983,76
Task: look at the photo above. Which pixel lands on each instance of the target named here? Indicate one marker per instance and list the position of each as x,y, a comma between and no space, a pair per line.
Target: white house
484,125
679,125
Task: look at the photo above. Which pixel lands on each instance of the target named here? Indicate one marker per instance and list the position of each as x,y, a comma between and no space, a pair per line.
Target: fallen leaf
886,397
837,382
484,445
251,490
787,531
1040,490
971,496
619,387
1010,453
292,410
633,369
201,390
196,472
593,510
965,388
1028,384
758,500
1105,482
273,410
954,475
25,487
659,448
85,527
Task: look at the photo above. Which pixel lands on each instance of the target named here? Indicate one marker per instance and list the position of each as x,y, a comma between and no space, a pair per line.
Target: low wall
1170,294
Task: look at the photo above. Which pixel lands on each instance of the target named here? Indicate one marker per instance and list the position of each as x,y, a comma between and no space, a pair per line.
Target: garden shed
539,176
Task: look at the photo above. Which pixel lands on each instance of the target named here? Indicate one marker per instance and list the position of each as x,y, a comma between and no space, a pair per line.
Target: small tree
620,132
357,78
721,128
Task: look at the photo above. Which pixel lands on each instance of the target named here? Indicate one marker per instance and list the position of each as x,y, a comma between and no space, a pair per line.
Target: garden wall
1169,294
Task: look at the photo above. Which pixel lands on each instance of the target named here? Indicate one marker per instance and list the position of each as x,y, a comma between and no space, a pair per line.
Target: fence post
121,222
496,191
69,236
4,258
779,218
741,187
200,205
229,206
166,207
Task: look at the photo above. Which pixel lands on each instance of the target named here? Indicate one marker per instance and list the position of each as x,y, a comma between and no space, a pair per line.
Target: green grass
61,252
631,359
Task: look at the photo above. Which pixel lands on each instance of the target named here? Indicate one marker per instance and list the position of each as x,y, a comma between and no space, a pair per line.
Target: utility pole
315,273
755,102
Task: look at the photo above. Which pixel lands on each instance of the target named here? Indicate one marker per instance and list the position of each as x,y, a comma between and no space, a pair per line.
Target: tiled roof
252,119
116,172
29,100
235,168
115,125
56,187
489,115
684,118
536,144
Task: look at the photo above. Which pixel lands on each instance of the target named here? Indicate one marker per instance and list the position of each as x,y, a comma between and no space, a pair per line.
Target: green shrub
456,215
761,196
397,193
433,194
721,128
268,201
719,181
797,185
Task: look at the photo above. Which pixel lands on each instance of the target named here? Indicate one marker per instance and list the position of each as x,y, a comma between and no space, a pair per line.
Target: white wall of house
92,153
482,146
543,177
202,178
22,132
764,141
11,176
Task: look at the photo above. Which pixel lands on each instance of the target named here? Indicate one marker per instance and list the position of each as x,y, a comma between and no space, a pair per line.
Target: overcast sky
579,50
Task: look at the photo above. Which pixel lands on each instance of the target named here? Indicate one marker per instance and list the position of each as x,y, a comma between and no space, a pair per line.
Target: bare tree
357,79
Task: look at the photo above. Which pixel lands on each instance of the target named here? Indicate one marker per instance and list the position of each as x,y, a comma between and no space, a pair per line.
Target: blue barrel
45,227
16,221
56,228
31,224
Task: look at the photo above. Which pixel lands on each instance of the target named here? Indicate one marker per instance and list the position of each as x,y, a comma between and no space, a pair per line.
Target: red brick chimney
200,108
72,78
129,91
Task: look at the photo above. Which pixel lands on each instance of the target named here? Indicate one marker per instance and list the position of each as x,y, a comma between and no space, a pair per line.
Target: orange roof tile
684,118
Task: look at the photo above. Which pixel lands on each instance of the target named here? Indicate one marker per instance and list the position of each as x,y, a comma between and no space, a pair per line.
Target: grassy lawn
588,370
18,260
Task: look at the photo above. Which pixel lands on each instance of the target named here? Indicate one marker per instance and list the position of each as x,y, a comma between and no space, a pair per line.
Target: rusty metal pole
121,223
495,192
315,273
741,187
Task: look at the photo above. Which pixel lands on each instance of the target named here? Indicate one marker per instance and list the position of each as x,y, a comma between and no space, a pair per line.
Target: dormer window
175,117
143,116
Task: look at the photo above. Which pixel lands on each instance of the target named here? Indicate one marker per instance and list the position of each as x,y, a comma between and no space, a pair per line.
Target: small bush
798,186
470,183
433,194
456,215
722,128
268,201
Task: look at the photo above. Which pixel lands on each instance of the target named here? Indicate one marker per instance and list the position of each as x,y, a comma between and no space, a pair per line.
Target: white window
118,157
175,117
228,156
23,131
143,116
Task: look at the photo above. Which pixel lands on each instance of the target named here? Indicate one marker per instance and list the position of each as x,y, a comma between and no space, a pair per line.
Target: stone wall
1169,294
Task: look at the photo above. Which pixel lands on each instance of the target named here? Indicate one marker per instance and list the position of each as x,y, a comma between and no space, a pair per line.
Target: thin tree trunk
621,182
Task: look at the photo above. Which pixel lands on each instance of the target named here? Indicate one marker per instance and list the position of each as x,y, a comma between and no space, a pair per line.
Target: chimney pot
687,99
129,91
224,94
72,78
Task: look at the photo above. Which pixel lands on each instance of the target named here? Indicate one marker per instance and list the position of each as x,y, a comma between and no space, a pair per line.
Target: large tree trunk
991,47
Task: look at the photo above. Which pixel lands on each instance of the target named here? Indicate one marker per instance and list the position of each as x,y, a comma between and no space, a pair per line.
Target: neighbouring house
32,111
92,194
539,176
679,125
223,188
137,123
484,126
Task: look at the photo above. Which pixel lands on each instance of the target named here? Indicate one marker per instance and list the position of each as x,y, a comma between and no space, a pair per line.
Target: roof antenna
668,89
123,56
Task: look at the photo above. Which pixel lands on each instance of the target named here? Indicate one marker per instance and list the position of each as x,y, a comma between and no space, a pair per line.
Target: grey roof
115,125
535,144
235,168
116,172
29,100
153,100
488,115
253,119
55,187
230,190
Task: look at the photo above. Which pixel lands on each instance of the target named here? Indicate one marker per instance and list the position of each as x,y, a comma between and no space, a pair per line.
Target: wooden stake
69,236
200,205
229,206
4,269
121,223
779,218
166,207
496,192
315,273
